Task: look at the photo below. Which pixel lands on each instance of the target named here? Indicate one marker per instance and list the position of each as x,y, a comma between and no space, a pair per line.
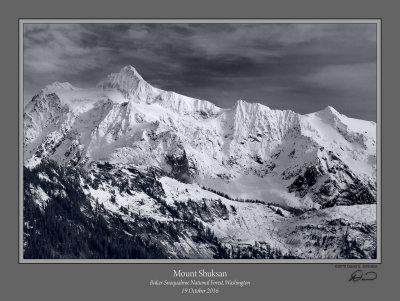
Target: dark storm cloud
303,67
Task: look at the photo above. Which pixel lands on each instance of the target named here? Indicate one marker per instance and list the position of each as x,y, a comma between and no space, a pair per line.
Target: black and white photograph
200,141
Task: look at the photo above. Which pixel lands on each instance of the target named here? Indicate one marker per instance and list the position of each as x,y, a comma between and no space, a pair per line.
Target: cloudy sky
303,67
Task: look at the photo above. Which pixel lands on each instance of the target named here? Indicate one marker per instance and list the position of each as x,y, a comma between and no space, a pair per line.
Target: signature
360,275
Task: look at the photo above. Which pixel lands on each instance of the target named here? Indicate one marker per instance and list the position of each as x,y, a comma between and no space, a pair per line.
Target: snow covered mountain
283,166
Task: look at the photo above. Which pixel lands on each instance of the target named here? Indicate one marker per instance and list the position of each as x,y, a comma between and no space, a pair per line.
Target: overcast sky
302,67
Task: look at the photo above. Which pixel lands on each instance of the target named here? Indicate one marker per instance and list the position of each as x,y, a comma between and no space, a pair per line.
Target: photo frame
239,249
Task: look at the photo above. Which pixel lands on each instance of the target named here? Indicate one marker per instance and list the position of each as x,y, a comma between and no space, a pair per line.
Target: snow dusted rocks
249,152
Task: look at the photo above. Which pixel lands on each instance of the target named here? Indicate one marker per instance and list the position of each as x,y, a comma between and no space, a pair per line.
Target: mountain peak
250,106
130,71
243,103
331,110
126,81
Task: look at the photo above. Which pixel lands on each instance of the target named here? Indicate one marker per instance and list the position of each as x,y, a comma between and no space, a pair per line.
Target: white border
378,23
